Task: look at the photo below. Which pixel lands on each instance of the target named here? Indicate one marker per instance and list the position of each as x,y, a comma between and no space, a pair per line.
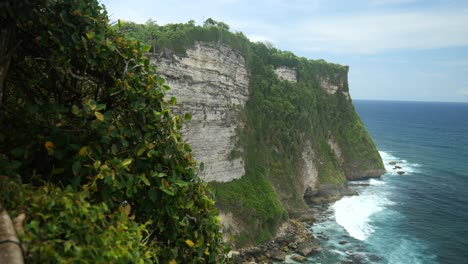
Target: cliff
271,129
211,83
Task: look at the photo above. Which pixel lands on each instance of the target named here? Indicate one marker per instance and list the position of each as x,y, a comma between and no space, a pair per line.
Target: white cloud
375,33
459,63
369,33
392,2
309,25
259,38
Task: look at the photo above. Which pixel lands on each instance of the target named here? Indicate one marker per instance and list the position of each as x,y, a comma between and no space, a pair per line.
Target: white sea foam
354,212
405,165
376,182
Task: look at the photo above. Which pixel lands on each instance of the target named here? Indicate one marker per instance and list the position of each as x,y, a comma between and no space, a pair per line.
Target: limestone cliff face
333,84
211,83
286,73
309,179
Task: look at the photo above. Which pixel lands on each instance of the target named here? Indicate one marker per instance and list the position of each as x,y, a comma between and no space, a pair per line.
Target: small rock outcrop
332,87
299,258
308,248
286,73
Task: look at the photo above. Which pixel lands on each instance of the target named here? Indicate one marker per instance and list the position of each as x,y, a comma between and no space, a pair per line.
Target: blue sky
414,50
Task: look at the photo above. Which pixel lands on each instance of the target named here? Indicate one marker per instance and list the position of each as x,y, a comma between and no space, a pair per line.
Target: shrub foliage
90,146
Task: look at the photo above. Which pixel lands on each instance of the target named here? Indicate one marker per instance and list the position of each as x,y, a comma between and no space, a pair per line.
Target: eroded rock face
210,83
336,149
328,86
309,171
230,226
332,87
286,73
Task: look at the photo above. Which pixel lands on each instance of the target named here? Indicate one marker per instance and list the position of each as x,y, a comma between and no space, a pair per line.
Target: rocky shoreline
294,239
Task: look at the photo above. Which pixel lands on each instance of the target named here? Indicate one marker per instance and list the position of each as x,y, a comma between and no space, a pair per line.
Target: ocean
418,217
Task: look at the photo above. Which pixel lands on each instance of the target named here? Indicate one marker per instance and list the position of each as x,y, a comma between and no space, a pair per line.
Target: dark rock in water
308,248
392,163
359,184
349,192
397,167
324,237
401,172
375,258
299,258
343,242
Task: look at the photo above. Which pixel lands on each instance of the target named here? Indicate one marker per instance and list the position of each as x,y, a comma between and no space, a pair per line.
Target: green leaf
91,104
75,110
187,148
68,245
126,162
145,180
202,166
189,204
166,190
141,150
187,117
161,174
100,107
99,116
181,183
90,35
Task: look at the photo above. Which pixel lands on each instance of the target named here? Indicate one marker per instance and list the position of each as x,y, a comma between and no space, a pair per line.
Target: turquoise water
418,217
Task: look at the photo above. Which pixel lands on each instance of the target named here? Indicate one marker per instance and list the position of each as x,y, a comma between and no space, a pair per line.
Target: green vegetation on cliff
89,148
283,119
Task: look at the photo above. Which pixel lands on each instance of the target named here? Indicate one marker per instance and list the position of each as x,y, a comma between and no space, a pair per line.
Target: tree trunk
11,251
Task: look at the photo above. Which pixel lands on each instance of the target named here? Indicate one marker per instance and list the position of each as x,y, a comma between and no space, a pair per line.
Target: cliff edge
271,129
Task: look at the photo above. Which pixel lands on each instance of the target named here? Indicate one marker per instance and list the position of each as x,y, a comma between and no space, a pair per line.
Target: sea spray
349,229
354,212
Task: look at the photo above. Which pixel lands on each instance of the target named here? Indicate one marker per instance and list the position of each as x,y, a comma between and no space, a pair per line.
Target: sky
410,50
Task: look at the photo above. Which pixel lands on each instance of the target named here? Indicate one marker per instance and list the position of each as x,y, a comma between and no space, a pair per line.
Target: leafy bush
84,121
63,226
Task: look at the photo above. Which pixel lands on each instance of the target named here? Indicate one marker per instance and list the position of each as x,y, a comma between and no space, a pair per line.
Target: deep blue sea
418,217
